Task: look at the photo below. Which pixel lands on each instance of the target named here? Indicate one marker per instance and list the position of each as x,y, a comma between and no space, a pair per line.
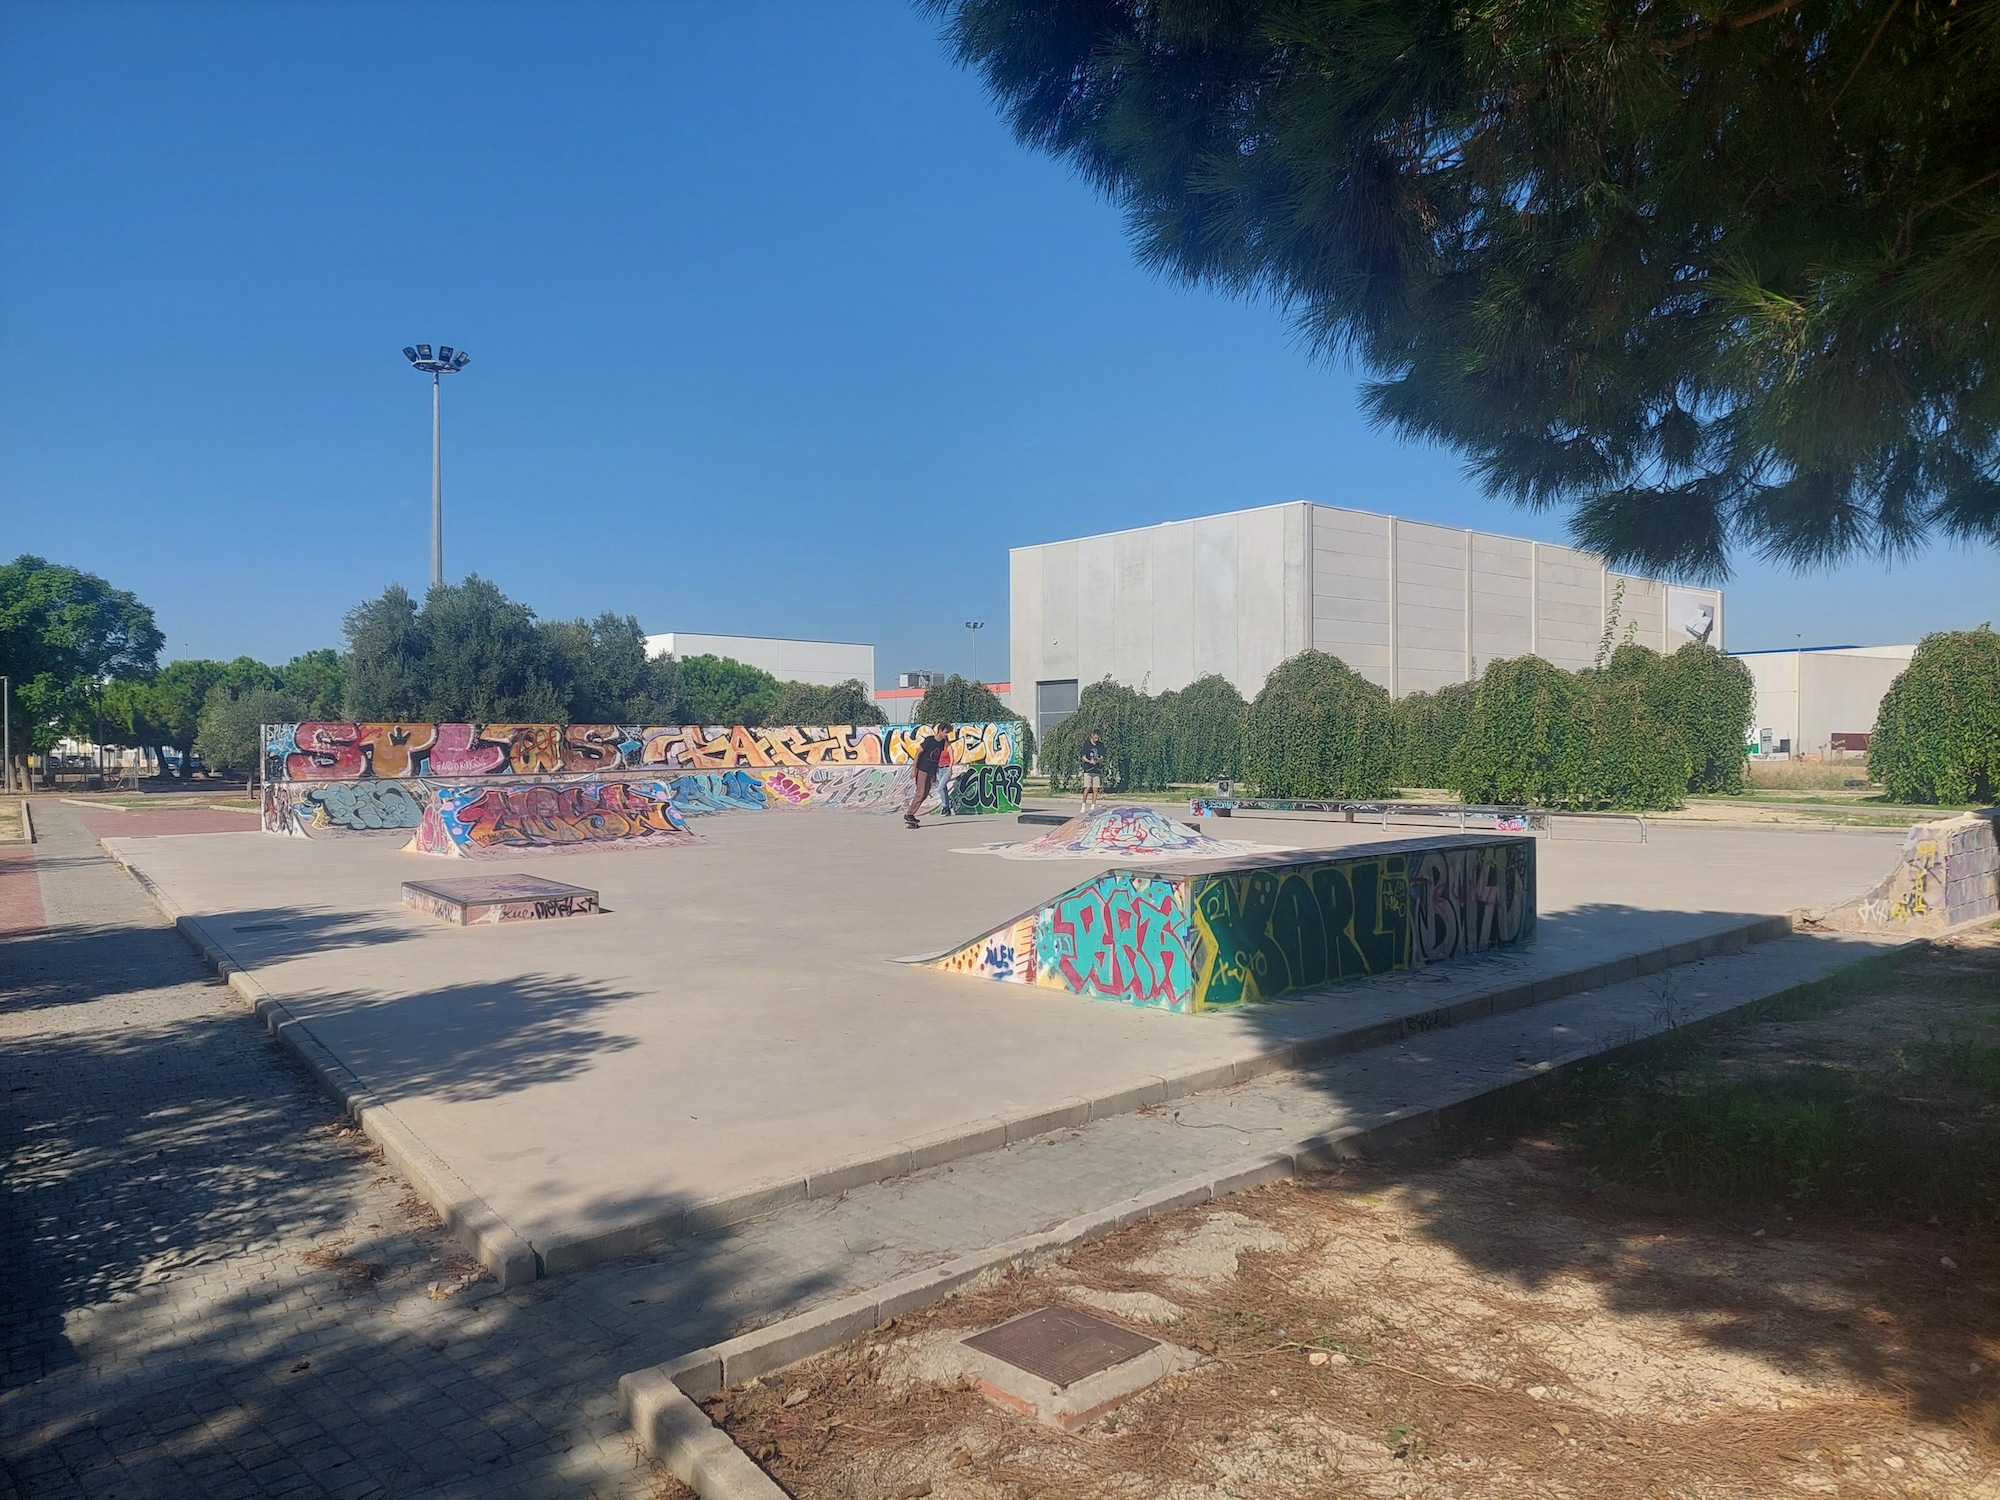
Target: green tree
316,681
1136,754
230,737
957,700
1525,741
128,710
1707,275
63,634
470,654
178,695
847,702
722,690
1937,733
1317,728
604,674
1709,698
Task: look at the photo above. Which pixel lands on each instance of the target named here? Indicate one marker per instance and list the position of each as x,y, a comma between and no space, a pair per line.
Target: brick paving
211,1286
108,822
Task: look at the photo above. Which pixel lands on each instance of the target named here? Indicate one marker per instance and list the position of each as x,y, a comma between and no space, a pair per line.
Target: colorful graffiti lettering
474,820
460,750
1469,900
717,791
986,789
1007,955
1269,926
364,806
346,751
1267,932
1119,937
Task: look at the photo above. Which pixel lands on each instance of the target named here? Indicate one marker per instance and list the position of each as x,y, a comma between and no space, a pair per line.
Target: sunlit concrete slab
731,1029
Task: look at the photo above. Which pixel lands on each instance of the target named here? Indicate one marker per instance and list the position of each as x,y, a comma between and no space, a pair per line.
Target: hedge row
1640,732
1937,733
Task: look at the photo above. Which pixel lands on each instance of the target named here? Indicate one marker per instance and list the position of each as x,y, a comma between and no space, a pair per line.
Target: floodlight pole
975,626
437,364
7,729
437,481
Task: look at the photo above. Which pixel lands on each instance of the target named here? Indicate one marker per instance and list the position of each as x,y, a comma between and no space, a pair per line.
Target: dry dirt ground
1495,1319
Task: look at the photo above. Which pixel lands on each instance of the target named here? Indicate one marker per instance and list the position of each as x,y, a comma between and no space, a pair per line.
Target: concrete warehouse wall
1407,604
1809,696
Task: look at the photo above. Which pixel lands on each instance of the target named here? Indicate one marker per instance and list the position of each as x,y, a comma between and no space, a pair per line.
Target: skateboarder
944,774
928,752
1093,769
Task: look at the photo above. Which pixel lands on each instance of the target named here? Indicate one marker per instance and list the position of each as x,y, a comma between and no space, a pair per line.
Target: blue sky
774,329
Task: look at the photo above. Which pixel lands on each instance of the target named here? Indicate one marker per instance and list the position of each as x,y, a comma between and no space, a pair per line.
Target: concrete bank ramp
1210,933
1947,875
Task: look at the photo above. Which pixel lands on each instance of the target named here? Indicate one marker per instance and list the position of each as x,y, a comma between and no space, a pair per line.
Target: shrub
1426,729
959,701
1318,729
1937,734
1709,698
1204,730
1632,758
1135,740
1523,742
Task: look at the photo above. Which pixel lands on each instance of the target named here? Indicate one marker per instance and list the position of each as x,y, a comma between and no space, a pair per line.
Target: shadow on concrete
63,964
469,1041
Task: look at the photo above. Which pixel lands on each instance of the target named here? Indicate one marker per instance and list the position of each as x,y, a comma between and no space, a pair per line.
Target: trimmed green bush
1709,698
1548,738
1204,729
1318,729
1524,740
1937,734
1135,740
1426,729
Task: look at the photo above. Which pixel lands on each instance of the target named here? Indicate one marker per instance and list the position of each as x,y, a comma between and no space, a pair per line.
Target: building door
1054,702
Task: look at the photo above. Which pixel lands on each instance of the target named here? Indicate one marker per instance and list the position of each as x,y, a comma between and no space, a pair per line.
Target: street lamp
975,626
447,361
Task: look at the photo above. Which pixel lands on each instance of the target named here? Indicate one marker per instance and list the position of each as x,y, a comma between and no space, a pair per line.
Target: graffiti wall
474,821
1269,926
339,751
329,779
1947,874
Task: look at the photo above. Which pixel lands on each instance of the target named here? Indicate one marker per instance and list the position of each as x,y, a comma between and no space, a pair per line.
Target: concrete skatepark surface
732,1023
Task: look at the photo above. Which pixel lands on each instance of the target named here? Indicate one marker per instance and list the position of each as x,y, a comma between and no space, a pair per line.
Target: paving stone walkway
211,1287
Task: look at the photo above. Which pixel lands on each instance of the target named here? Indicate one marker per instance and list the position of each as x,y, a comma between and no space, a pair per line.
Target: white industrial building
824,663
1410,605
1820,700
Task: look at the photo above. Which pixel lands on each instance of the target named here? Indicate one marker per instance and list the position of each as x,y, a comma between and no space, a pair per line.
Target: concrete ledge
701,1372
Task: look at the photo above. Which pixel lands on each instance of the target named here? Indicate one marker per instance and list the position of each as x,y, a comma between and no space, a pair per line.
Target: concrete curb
974,1137
492,1241
659,1402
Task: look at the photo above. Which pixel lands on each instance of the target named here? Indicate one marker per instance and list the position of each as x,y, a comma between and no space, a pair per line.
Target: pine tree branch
1727,23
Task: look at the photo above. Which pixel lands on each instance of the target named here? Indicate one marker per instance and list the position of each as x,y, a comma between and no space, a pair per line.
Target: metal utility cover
1061,1344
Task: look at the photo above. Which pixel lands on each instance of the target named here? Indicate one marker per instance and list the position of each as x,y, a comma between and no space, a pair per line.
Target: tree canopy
63,632
469,653
1706,276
